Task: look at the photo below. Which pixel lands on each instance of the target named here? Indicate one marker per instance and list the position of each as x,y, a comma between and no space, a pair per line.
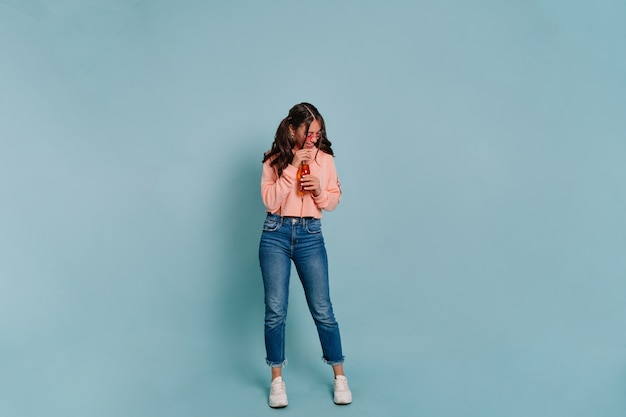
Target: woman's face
307,139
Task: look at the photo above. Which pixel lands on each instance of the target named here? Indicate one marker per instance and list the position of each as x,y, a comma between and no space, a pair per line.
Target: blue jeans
286,239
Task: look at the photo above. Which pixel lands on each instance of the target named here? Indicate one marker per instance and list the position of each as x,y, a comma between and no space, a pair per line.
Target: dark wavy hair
281,152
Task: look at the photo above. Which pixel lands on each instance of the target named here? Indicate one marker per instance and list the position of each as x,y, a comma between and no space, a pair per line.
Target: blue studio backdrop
477,258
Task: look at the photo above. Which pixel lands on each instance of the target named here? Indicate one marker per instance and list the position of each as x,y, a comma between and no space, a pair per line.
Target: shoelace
278,387
341,385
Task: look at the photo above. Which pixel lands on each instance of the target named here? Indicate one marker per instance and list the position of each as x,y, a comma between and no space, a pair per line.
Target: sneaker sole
342,401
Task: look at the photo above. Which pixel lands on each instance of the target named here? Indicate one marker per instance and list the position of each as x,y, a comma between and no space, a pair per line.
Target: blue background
477,258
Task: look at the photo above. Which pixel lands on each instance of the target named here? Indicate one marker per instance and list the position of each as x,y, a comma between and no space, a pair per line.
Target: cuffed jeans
286,239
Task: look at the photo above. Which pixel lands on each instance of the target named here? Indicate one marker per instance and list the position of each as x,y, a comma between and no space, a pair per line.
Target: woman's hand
300,156
311,183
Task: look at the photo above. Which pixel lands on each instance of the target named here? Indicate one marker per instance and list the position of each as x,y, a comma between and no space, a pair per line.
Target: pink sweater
280,194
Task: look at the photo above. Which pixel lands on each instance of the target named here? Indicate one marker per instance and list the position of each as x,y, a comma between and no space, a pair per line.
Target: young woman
292,232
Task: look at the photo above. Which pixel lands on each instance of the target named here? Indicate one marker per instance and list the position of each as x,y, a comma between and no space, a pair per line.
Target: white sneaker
278,393
343,395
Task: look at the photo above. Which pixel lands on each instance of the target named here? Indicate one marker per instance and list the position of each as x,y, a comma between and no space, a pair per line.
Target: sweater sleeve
274,189
331,189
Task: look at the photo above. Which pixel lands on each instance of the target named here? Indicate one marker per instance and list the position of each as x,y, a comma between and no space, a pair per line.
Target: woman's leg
311,263
275,265
338,370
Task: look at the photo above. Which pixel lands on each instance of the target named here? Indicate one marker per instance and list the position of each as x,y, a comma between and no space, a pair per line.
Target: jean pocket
314,226
272,223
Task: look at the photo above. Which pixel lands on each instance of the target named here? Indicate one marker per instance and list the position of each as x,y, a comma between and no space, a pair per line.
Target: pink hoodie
280,195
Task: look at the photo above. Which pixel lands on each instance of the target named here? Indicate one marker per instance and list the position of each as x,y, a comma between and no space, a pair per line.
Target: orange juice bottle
303,170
